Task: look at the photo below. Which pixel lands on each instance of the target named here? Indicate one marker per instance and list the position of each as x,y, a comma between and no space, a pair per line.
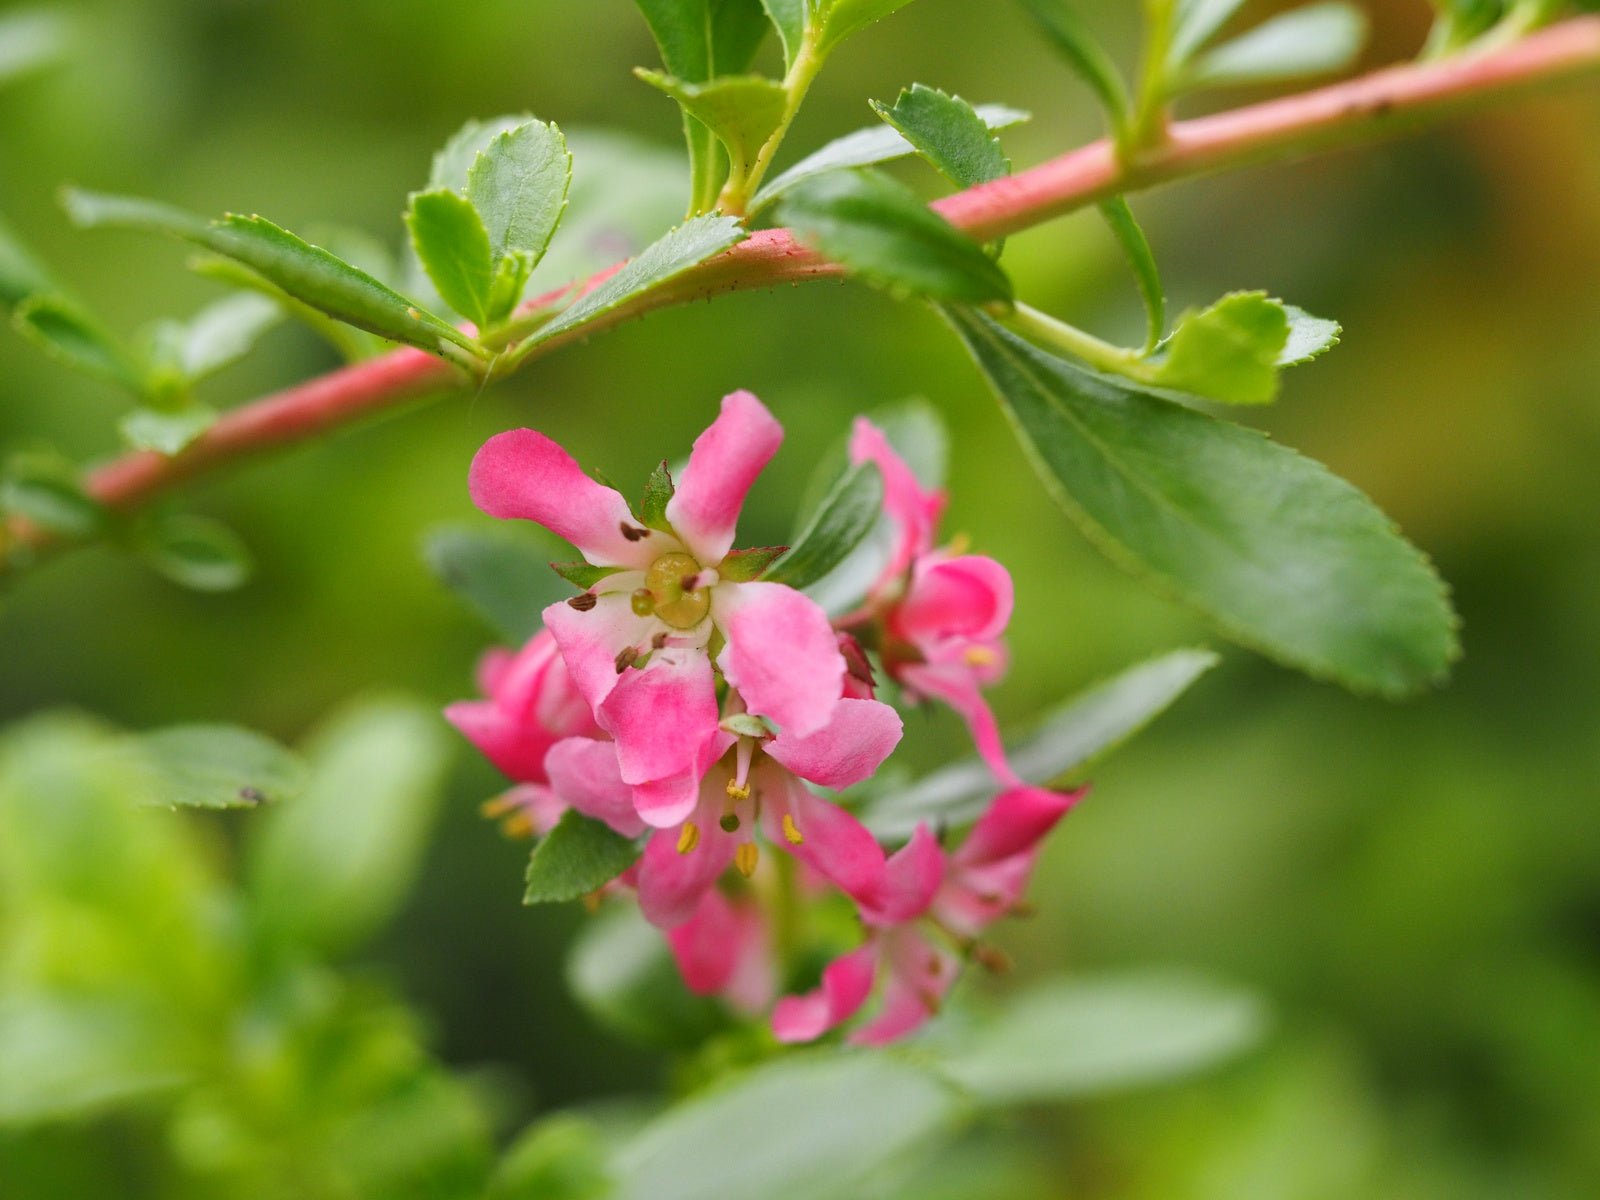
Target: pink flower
639,642
725,950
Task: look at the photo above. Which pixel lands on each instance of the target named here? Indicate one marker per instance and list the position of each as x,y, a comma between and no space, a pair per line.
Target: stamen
659,640
742,754
992,959
737,790
689,582
518,825
584,601
791,831
626,657
591,902
498,806
632,532
643,603
729,822
980,656
1024,909
958,545
688,837
746,857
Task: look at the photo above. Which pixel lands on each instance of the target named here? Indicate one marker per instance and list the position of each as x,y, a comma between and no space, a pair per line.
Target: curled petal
956,685
913,509
722,949
968,597
666,803
846,984
1016,822
908,883
822,835
781,655
521,473
590,641
662,715
583,772
848,749
975,897
725,461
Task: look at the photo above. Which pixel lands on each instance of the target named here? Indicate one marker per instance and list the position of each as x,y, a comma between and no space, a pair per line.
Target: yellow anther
518,825
746,857
498,806
738,791
791,831
959,544
688,837
980,656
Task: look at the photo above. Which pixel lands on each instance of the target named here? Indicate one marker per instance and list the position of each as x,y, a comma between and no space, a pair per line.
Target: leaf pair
493,201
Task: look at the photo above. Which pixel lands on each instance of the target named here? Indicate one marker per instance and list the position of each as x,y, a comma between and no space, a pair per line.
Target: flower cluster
691,705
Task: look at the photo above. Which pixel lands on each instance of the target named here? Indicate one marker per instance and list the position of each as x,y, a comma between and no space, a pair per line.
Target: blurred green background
1415,888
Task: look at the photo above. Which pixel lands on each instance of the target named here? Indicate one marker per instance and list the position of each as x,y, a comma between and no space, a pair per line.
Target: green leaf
580,574
949,133
742,111
166,431
329,868
1275,551
454,250
843,18
502,573
31,38
788,17
1071,39
1072,735
1196,24
1309,337
683,249
884,233
21,274
1119,216
1229,352
47,492
580,855
453,160
306,272
1071,1038
658,492
219,766
68,334
224,332
840,522
866,147
824,1122
741,566
194,552
1313,40
519,185
563,1157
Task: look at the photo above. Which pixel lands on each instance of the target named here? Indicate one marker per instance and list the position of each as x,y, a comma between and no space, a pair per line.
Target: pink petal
846,984
955,685
523,474
848,749
914,510
725,461
909,881
512,747
539,804
583,772
723,949
1016,822
967,597
975,897
666,803
781,655
920,976
492,668
590,641
832,842
671,884
662,715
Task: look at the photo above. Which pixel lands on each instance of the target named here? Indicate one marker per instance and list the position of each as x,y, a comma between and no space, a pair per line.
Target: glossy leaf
580,574
882,232
31,38
1068,738
73,338
518,184
843,18
453,160
21,273
1229,352
1071,39
845,516
659,264
741,566
742,111
823,1122
453,248
789,19
864,148
1275,551
502,573
1136,248
194,552
1309,337
166,431
306,272
949,133
1313,40
329,867
219,766
1072,1038
580,855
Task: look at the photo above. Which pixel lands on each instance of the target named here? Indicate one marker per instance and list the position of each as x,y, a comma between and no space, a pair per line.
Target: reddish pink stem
1372,106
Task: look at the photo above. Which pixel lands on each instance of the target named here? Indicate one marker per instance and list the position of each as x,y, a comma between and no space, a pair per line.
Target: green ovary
679,608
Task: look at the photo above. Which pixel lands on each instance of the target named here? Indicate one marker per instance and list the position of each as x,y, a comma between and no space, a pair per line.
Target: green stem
742,184
1046,330
1150,116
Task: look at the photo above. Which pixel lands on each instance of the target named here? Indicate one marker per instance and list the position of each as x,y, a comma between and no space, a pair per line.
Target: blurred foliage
1414,887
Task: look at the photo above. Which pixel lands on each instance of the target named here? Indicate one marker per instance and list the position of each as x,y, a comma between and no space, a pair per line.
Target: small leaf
580,574
825,1123
306,272
519,185
843,519
166,431
1229,352
741,566
1077,732
659,264
453,160
21,274
454,250
69,335
30,38
1083,1037
1275,551
1313,40
580,855
219,766
789,19
658,492
949,133
195,552
1309,337
1066,32
884,233
866,147
47,492
742,111
842,18
1119,216
502,573
1197,22
224,332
